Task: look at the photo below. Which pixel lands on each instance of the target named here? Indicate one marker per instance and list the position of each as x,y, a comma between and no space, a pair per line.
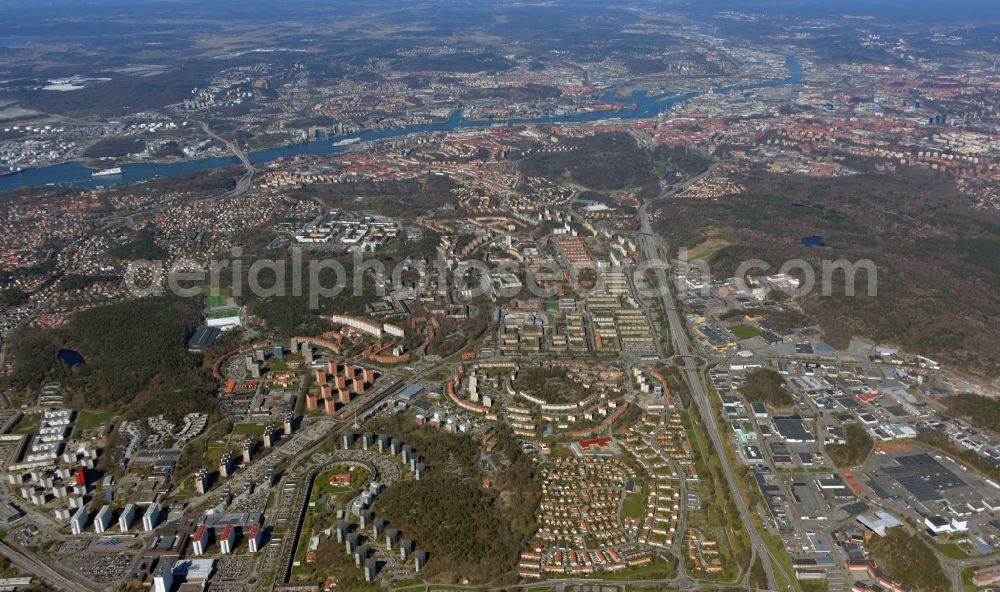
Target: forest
122,94
141,246
602,162
417,196
289,315
936,257
134,357
908,559
855,450
552,384
982,412
766,386
487,527
111,147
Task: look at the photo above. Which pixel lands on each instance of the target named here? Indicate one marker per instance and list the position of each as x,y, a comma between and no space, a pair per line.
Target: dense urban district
549,367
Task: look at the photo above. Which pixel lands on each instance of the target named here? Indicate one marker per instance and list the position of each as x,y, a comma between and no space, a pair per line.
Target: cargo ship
107,172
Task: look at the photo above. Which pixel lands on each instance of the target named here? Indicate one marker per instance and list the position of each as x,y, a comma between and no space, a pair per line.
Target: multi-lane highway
43,571
243,183
656,256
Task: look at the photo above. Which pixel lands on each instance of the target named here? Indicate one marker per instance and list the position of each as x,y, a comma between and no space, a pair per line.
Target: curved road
243,183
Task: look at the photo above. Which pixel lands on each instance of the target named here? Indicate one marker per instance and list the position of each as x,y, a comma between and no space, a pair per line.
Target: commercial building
224,319
203,338
986,577
926,479
9,513
194,570
880,522
941,525
793,429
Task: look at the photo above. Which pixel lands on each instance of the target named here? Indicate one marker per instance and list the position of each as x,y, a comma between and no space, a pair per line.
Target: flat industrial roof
194,569
806,500
923,476
203,337
792,428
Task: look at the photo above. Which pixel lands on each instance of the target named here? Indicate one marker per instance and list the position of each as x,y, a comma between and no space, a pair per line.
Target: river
74,173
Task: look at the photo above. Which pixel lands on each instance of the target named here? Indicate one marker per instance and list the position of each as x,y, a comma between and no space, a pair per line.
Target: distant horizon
904,10
581,294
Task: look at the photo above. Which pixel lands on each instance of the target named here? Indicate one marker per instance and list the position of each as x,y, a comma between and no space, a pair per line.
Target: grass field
249,429
953,550
277,365
223,313
812,586
214,454
28,424
299,566
213,301
358,478
656,570
705,249
967,584
217,297
88,420
745,331
635,504
319,516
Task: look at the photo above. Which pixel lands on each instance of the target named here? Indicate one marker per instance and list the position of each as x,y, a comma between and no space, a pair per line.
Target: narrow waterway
74,173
